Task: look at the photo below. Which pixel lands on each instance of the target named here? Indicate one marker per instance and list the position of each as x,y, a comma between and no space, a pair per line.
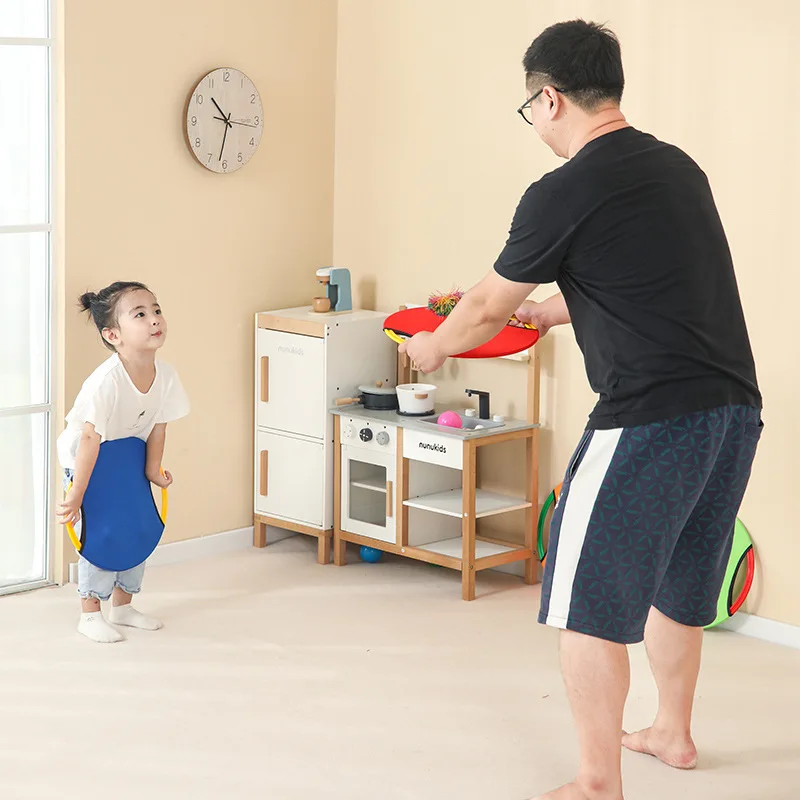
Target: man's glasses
525,109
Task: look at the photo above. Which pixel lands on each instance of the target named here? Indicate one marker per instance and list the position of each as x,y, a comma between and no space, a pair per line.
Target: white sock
128,615
94,627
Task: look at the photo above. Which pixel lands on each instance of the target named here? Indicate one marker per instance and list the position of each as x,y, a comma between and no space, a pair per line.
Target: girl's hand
70,510
163,481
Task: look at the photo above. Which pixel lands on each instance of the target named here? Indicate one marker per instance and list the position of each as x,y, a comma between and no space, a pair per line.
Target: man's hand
70,510
423,352
530,311
544,315
162,480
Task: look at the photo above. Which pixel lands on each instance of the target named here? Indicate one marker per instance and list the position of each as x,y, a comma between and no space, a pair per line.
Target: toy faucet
337,287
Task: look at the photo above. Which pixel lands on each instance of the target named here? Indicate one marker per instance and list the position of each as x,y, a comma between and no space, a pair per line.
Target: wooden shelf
373,484
453,548
450,503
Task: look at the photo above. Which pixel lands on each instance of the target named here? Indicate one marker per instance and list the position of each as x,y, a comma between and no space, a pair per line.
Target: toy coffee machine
338,296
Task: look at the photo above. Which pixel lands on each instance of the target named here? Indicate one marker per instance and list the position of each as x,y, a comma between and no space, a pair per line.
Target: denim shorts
100,583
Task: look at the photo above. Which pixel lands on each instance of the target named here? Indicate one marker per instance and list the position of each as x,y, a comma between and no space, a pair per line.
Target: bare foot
573,792
674,752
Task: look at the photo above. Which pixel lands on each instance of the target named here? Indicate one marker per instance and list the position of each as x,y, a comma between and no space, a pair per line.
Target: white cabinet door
368,493
290,383
290,478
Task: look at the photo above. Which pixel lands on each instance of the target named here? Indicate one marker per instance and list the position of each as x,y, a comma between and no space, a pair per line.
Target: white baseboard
211,545
769,630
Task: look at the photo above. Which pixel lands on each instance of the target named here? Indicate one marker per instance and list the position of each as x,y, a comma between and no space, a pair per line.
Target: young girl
132,393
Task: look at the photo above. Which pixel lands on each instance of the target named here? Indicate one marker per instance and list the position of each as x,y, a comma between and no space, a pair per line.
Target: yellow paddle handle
164,502
530,326
73,537
76,542
393,336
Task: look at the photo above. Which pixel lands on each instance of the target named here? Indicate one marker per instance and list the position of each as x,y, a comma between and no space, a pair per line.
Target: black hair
103,305
583,59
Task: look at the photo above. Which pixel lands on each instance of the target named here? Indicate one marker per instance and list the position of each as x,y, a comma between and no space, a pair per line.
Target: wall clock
224,120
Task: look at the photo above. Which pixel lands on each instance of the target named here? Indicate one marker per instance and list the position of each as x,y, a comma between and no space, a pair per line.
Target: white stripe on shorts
583,490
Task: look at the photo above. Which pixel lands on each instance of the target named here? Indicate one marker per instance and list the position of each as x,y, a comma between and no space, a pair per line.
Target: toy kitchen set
349,448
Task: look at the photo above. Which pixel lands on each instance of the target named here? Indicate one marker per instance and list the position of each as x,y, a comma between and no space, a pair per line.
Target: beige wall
431,159
215,248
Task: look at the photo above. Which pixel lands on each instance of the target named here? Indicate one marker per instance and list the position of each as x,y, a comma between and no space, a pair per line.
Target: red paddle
404,324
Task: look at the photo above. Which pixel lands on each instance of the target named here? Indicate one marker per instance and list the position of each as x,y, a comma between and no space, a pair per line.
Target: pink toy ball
450,419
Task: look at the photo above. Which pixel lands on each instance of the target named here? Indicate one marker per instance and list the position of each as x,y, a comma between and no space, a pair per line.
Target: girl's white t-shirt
117,409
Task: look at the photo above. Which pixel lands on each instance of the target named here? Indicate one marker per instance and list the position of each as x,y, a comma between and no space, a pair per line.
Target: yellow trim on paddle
76,542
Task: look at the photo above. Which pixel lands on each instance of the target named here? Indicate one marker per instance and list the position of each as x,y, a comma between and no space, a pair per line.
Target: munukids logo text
295,351
439,448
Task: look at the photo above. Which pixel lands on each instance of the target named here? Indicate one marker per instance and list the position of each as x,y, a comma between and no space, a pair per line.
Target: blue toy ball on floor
370,554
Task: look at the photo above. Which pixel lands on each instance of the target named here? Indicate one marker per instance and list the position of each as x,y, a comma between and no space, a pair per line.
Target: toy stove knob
365,434
382,438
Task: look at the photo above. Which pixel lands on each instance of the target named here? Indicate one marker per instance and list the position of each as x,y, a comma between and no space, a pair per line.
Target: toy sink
467,423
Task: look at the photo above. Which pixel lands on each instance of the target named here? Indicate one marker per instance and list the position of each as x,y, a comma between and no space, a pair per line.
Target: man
628,229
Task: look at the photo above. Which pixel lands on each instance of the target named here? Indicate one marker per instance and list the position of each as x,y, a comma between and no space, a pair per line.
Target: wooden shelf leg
532,512
259,533
339,551
324,549
468,582
468,522
532,465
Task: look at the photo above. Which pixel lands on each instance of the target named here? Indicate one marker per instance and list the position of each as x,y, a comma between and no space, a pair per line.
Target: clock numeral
252,99
239,158
226,76
211,83
224,165
256,119
199,99
194,120
252,142
209,158
197,143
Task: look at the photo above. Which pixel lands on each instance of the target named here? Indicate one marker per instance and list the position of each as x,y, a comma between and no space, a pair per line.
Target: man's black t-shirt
629,231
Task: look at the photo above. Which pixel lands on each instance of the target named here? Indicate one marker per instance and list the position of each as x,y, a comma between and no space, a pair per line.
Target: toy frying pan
120,525
404,324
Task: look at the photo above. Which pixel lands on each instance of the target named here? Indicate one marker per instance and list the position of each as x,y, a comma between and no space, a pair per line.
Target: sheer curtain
25,230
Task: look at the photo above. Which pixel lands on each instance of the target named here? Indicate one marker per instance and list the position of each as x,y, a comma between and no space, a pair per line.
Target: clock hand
223,140
235,122
227,123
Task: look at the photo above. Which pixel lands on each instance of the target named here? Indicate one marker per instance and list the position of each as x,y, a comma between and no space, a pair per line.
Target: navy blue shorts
646,518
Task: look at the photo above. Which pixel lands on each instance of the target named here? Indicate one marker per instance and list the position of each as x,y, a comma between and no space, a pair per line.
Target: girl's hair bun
87,299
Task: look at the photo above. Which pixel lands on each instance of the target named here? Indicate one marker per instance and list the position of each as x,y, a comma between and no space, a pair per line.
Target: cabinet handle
264,379
263,473
388,498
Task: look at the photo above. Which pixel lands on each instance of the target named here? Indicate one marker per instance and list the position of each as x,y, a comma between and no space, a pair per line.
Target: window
26,428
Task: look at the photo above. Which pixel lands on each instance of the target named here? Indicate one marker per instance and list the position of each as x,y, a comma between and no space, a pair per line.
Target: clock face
224,120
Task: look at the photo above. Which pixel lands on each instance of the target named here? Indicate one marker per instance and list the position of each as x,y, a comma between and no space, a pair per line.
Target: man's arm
480,314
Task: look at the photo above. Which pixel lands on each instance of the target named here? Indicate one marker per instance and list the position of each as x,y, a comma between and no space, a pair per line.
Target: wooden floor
277,678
